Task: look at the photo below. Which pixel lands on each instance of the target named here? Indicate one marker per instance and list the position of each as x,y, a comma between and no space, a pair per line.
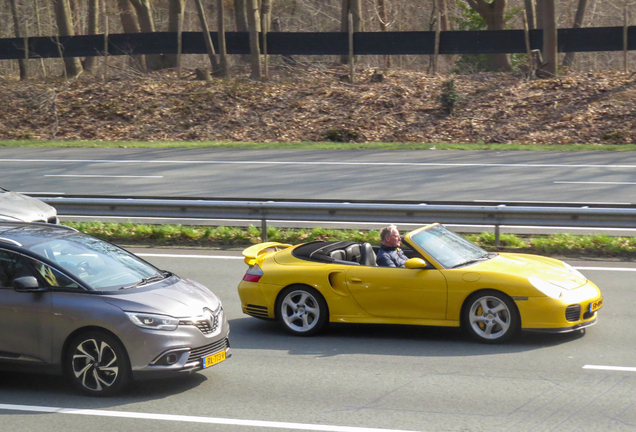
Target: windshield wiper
147,280
484,257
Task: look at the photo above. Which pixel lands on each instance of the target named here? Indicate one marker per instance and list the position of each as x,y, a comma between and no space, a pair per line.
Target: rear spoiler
254,253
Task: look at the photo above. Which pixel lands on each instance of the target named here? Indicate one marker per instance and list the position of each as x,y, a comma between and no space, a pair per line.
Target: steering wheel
84,265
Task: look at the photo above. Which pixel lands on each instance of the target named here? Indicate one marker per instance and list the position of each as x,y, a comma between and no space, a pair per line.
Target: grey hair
386,231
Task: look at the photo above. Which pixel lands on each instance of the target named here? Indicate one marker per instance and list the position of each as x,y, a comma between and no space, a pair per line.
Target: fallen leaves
405,106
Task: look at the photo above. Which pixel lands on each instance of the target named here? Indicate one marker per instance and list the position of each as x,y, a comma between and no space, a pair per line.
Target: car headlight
574,271
547,288
153,322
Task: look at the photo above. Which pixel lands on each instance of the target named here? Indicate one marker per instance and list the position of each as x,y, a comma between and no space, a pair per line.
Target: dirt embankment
318,105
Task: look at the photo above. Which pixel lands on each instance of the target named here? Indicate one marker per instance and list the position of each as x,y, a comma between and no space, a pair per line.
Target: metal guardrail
456,213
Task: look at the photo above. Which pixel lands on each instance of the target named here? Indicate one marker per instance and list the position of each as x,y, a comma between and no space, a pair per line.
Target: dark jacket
390,257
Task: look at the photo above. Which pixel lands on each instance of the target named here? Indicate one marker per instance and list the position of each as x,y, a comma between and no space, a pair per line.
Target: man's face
393,240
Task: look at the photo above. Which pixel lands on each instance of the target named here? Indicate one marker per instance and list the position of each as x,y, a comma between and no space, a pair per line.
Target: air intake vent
573,313
198,353
257,311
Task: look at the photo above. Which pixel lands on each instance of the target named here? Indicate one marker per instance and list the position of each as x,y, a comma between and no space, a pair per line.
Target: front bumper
164,354
563,329
569,313
187,361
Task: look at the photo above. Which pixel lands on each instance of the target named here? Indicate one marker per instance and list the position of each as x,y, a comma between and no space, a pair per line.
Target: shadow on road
376,339
35,389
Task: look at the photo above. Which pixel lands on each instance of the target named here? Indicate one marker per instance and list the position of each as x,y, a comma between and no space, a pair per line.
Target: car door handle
355,280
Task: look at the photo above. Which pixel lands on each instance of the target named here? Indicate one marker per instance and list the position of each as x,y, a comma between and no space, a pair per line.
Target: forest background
590,98
28,18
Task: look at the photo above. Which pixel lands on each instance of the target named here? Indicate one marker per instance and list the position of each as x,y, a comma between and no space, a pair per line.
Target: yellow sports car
447,281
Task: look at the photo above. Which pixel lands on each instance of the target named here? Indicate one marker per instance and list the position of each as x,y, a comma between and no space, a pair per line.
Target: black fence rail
324,43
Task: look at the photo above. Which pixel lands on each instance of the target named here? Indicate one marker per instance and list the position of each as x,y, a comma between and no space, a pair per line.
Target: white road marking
620,269
191,256
595,183
611,368
100,176
330,163
42,193
547,202
193,419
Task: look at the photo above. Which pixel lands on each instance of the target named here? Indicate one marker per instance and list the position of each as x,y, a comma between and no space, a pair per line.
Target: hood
537,267
24,208
183,299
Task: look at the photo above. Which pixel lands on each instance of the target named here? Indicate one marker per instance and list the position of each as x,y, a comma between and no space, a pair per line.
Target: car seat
367,255
353,253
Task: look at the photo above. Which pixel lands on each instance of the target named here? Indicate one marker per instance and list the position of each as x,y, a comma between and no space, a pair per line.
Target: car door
25,317
399,292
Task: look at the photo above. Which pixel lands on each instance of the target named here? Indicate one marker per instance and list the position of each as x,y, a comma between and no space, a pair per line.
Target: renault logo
209,317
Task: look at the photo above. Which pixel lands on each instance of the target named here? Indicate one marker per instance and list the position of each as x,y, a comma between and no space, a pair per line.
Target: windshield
98,264
448,248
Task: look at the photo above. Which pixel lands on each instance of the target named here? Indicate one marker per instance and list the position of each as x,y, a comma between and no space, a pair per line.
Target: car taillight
253,274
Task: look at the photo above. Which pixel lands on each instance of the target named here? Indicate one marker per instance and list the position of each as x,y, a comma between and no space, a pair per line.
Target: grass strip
318,145
131,234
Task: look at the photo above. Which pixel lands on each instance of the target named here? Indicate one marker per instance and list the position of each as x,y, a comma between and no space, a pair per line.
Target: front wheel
491,317
97,364
302,310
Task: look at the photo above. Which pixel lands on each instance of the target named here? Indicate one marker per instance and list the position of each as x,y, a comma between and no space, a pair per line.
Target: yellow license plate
213,359
594,306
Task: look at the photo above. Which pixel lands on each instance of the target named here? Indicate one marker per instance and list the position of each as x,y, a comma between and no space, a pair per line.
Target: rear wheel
97,364
491,317
302,310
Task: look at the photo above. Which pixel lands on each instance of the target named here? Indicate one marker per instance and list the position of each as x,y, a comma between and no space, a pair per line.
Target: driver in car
390,254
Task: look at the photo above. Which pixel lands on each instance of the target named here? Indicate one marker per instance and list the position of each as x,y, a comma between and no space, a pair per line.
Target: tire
491,317
97,364
302,310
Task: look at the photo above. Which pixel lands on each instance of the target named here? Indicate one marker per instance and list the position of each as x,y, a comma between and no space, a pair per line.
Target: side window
52,277
409,251
11,267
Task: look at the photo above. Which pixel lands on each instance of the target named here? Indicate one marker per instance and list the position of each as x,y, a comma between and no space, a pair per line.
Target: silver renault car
73,304
15,206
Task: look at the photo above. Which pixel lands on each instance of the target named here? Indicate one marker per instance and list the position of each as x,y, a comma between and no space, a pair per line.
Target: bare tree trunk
22,63
443,15
220,15
205,30
252,20
147,25
384,26
353,7
531,14
39,27
130,24
568,60
65,28
549,37
240,16
266,16
175,8
494,15
540,14
93,28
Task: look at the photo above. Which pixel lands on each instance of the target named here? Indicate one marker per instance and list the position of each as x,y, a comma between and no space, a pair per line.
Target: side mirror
415,263
27,284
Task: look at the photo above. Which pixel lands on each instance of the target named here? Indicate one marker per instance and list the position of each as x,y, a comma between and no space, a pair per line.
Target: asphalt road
550,176
359,378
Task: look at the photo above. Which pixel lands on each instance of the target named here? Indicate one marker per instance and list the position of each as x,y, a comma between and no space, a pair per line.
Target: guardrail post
264,230
497,243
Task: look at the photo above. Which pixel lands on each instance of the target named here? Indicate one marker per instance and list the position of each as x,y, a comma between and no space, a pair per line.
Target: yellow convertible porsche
447,281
